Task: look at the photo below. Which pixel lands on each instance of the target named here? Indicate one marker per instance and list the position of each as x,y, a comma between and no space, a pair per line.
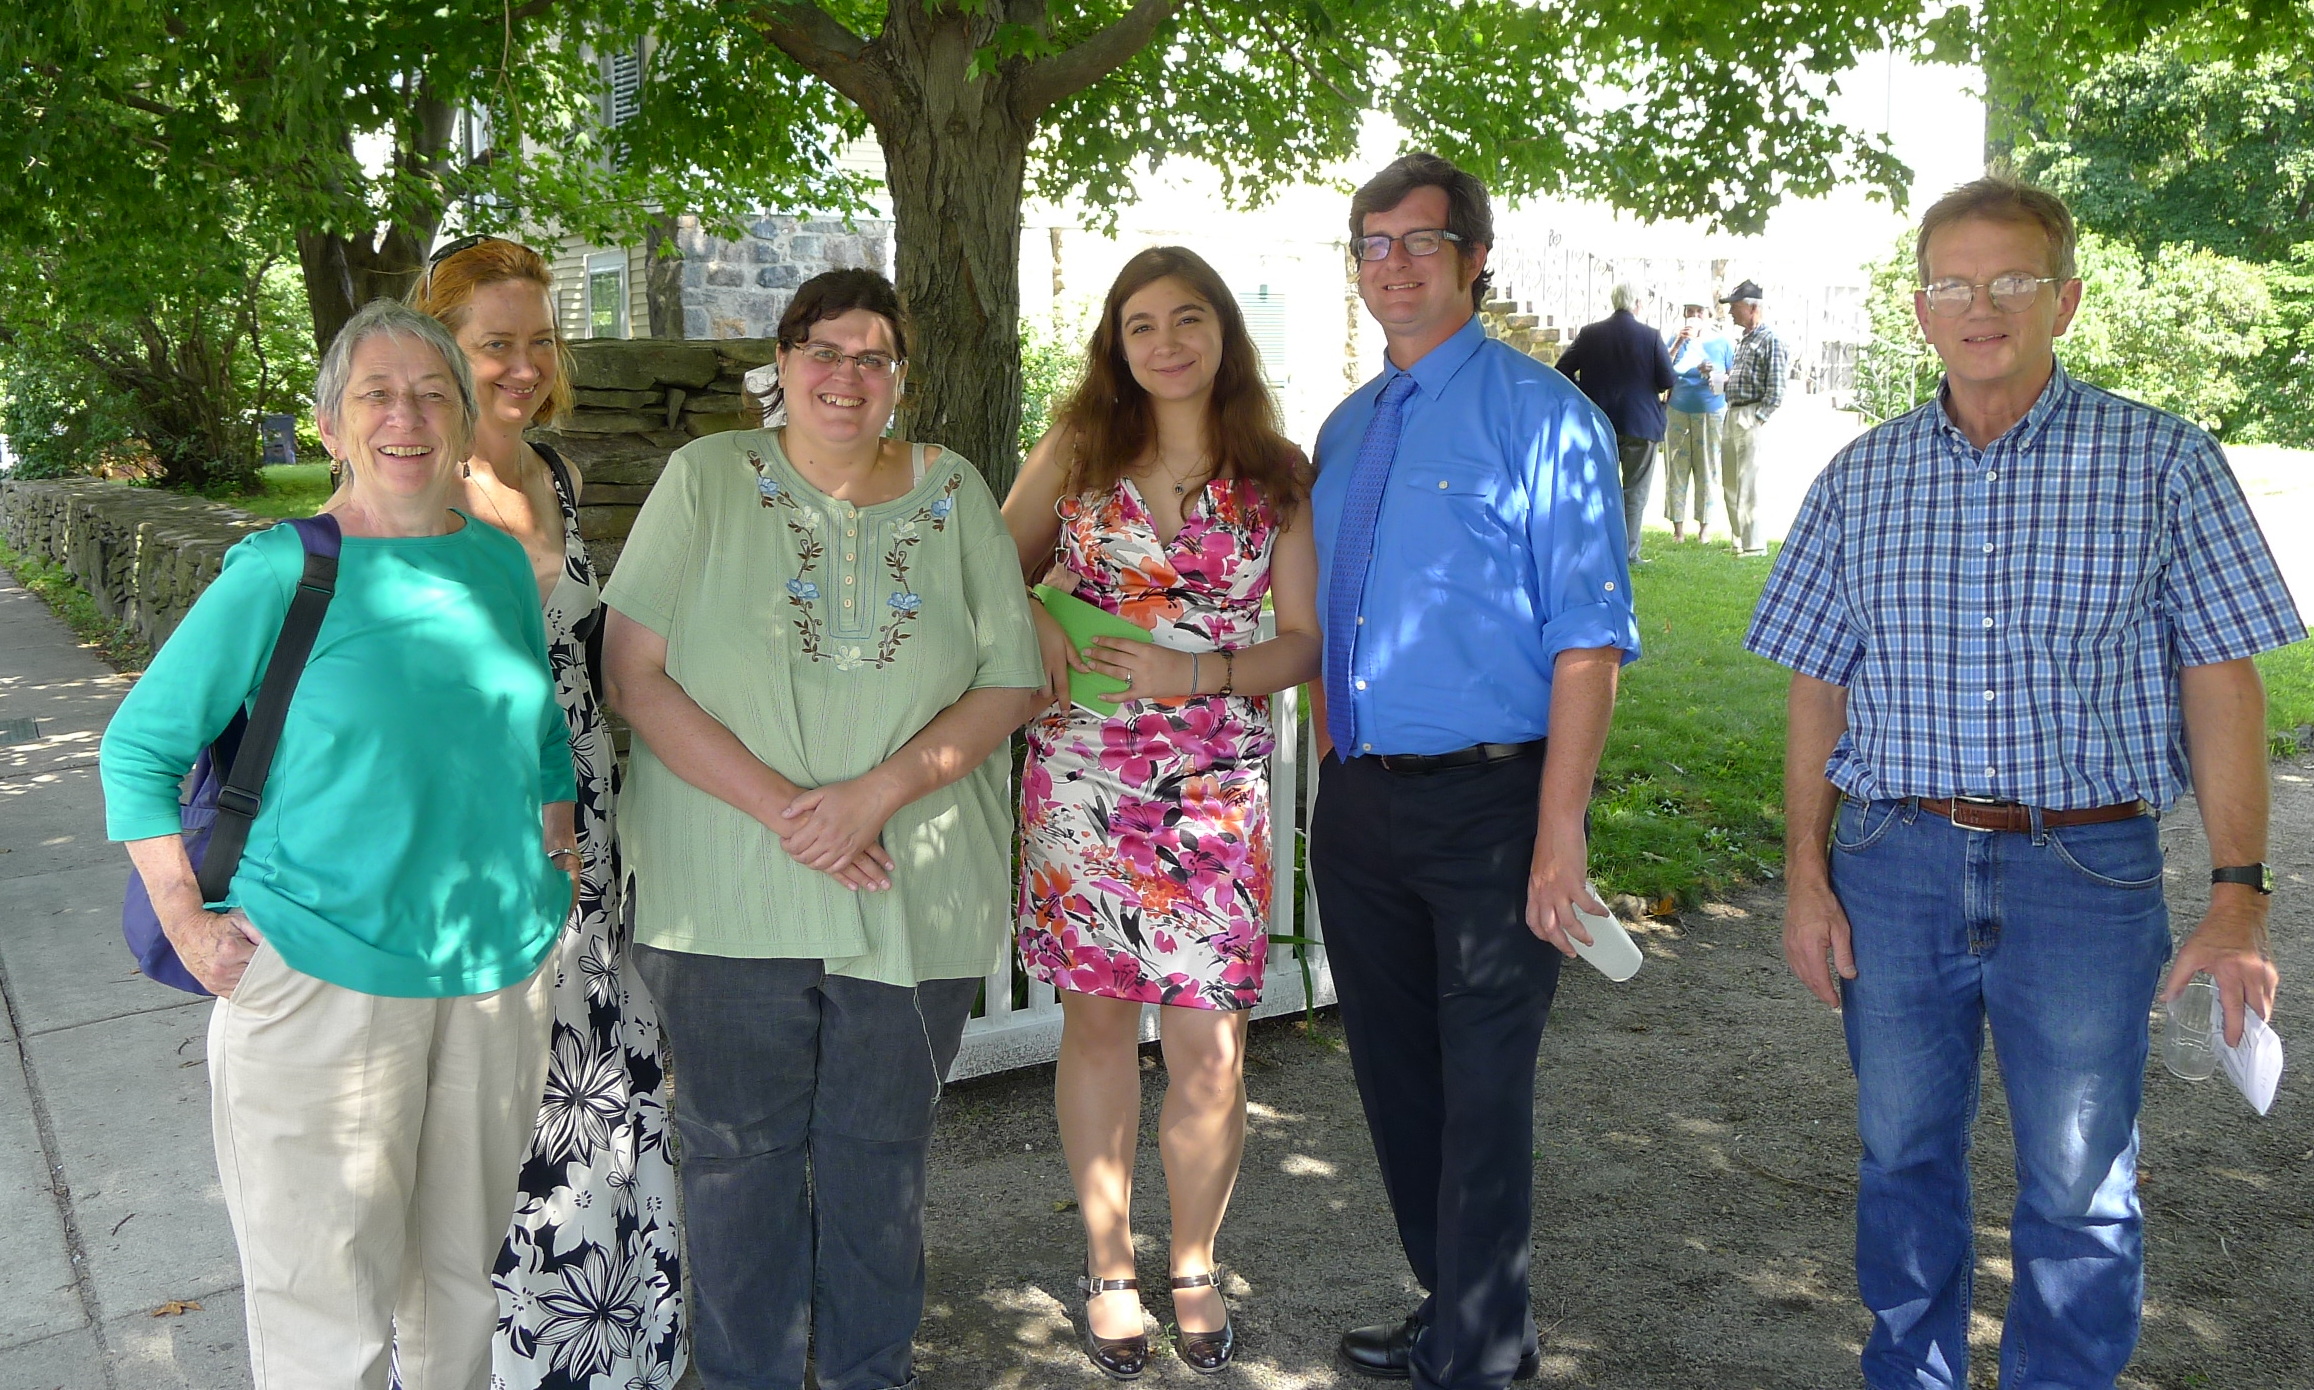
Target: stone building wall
738,289
144,555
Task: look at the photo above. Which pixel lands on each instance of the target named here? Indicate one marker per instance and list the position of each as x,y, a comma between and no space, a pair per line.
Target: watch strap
2256,876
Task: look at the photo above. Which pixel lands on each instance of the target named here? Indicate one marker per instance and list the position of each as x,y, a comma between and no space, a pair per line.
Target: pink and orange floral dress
1145,857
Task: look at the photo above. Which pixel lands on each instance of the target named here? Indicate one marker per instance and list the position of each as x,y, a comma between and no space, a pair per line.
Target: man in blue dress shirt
1476,609
2020,622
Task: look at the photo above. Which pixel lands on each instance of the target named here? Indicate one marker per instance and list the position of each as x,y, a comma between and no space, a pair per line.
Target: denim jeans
804,1101
2058,940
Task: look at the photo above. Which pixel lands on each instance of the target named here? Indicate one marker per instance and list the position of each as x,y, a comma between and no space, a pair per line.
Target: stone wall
738,289
144,555
639,400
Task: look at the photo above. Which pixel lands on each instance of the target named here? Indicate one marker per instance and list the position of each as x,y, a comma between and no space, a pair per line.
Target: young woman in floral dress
1166,495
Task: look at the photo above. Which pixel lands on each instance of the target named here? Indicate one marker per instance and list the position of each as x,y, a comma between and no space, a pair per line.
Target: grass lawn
290,489
1690,794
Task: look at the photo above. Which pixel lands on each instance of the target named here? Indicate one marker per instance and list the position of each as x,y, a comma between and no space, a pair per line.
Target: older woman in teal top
379,1041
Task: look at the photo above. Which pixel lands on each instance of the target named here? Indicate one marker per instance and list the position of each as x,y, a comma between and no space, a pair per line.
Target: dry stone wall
146,555
143,555
639,400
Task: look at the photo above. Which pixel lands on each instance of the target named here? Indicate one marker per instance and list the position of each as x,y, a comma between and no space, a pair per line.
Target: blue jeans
2058,940
805,1103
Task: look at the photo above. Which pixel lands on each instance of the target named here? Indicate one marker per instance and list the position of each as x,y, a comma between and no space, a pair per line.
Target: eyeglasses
874,364
1423,242
2012,293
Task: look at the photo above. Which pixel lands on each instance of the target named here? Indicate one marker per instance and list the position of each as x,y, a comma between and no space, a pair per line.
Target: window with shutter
623,75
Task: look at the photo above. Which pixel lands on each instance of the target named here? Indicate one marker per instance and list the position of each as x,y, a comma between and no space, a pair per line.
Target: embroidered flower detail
803,589
905,603
942,506
906,530
768,488
849,659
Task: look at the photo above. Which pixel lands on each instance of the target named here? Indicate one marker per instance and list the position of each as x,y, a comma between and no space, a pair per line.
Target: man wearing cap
1623,367
1700,356
1476,609
1755,387
2020,621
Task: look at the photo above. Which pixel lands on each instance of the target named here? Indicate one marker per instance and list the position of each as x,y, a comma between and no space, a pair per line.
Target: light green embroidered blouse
825,636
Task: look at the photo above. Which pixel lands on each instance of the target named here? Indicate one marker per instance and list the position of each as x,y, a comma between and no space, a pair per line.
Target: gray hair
1625,295
385,318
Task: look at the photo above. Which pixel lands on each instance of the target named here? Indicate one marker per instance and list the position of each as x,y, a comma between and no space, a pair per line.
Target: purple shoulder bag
229,778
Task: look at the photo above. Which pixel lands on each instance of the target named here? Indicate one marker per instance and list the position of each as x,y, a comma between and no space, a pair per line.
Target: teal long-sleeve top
398,848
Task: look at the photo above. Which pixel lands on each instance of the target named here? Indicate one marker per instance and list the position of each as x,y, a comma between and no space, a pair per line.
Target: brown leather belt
2008,815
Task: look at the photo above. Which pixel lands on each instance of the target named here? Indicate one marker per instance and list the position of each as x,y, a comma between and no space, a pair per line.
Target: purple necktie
1353,554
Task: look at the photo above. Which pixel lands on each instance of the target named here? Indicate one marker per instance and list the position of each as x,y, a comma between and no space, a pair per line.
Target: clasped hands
838,829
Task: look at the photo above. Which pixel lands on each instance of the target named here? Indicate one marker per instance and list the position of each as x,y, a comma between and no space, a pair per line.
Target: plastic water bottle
2189,1041
1612,950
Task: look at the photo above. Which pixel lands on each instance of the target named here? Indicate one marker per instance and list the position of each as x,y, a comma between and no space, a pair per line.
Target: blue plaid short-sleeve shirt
2010,622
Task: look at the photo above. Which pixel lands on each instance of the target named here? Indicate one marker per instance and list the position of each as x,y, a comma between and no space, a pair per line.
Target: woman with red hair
590,1279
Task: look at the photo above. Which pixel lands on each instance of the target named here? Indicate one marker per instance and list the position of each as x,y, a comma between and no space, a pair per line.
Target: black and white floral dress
590,1285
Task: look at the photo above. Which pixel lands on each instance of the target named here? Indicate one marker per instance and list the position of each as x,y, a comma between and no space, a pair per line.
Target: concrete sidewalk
109,1203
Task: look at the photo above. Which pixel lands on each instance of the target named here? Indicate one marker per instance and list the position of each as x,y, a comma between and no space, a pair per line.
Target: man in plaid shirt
1755,387
2020,622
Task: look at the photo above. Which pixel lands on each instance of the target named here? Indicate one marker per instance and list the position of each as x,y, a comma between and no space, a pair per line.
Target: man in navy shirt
1476,609
1623,366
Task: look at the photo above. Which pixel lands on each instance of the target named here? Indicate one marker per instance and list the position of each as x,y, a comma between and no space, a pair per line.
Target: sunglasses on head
449,249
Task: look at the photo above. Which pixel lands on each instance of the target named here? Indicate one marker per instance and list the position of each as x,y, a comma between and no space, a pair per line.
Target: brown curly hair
1109,419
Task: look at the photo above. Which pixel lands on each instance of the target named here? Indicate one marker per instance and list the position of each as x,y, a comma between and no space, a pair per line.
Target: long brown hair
445,292
1111,423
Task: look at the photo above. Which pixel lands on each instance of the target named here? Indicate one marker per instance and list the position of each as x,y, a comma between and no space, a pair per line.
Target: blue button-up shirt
1499,545
2010,621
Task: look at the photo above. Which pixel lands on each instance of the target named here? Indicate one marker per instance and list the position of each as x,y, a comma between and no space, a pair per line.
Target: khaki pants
369,1149
1740,474
1691,459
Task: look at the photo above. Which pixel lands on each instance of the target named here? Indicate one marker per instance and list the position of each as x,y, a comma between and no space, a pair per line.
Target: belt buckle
1959,801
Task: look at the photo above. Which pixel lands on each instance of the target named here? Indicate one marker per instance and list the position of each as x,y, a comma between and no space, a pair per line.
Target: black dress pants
1422,886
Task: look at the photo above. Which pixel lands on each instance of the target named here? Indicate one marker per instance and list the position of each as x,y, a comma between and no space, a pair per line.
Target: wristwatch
2256,876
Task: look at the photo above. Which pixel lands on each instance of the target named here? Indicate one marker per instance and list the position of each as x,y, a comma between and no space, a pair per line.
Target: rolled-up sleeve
2222,595
1802,621
1582,575
204,674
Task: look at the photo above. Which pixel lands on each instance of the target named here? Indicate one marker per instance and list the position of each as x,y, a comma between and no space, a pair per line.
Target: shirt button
1993,476
1988,547
1361,620
1442,484
847,579
1361,685
847,603
1988,694
1989,772
1365,747
851,557
1988,622
1610,586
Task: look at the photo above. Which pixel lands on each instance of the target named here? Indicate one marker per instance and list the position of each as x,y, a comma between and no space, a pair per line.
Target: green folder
1083,622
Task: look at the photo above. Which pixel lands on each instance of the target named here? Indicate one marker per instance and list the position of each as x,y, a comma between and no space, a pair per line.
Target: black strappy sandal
1206,1353
1118,1358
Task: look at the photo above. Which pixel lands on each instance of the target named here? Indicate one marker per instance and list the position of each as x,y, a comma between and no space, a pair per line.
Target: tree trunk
343,273
956,234
663,276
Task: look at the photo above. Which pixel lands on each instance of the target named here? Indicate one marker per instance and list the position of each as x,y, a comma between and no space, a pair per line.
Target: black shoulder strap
590,628
244,781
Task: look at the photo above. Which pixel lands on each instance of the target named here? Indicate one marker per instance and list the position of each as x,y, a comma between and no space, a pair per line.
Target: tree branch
819,44
1049,81
1293,55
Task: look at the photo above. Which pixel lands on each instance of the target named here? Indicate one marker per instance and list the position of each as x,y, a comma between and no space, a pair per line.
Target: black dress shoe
1382,1351
1206,1353
1118,1358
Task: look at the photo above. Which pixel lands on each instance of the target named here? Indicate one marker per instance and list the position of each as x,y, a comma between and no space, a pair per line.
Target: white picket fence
1002,1036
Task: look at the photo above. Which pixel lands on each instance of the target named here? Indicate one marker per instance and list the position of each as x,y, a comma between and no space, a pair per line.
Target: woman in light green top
820,638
